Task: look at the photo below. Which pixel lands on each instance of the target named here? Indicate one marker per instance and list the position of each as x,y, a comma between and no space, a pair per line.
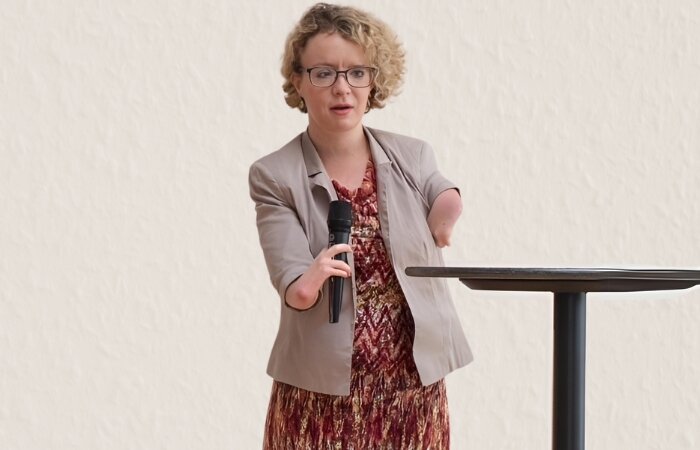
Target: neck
339,145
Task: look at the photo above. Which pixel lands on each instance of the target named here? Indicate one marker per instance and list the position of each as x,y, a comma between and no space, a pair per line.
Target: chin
334,124
348,126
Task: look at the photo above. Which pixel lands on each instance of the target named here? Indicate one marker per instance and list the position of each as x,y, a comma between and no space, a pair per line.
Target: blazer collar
379,155
314,165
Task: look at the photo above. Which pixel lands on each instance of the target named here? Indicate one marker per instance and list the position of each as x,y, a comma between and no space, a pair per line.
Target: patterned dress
387,408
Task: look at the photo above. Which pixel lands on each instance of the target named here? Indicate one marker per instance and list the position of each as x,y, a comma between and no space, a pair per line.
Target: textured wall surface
135,308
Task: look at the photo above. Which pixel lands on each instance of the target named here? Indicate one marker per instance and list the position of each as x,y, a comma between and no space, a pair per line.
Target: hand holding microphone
331,263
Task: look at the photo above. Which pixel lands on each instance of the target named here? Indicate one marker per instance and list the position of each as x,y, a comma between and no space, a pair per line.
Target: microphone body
339,226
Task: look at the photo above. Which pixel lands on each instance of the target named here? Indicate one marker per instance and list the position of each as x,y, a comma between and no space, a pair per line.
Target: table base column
568,412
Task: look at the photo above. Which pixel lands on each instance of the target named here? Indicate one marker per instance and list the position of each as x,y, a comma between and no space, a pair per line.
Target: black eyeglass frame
373,71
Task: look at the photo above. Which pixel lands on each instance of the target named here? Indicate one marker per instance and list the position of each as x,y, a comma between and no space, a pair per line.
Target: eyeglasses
358,77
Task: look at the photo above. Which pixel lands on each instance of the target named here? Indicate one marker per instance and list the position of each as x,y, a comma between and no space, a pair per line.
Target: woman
374,380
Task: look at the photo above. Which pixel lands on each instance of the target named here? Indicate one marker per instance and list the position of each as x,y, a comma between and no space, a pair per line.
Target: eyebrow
333,66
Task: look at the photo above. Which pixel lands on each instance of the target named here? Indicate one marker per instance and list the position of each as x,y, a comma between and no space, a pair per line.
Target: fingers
337,249
337,264
326,266
339,269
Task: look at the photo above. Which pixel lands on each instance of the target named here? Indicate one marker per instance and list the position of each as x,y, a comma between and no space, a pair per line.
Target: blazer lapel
382,165
318,178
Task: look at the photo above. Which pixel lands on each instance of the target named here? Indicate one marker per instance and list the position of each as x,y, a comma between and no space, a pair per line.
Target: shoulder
284,166
288,154
408,152
278,170
397,142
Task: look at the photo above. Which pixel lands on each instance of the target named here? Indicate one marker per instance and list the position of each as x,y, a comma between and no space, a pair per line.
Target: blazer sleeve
282,238
432,181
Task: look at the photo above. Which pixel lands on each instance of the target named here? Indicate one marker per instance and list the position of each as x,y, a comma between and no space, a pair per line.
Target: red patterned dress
387,408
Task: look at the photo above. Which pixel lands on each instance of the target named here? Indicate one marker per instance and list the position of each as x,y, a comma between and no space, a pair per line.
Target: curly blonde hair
381,46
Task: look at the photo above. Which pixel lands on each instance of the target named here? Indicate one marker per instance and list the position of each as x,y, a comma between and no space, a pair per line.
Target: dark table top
568,280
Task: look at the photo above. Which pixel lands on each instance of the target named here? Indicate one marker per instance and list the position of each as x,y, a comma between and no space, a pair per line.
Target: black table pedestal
568,405
569,287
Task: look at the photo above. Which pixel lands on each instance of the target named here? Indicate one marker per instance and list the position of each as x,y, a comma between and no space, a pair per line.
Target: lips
341,107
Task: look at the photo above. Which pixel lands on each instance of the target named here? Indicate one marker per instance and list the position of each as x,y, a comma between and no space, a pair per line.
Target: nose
341,86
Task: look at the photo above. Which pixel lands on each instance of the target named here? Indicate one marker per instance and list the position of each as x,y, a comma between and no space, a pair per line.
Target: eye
358,72
323,73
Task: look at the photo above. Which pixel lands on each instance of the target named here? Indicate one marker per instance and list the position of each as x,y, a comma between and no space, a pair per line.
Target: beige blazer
292,192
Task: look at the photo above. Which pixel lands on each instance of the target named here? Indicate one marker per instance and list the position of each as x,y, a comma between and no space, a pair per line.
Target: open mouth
341,108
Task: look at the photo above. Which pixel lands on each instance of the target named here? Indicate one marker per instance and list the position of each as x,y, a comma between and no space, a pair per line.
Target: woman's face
340,107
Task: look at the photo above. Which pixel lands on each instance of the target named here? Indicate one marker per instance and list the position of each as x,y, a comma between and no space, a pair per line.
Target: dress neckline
367,184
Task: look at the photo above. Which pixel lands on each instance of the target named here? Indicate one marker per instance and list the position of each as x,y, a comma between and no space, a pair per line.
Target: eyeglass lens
326,76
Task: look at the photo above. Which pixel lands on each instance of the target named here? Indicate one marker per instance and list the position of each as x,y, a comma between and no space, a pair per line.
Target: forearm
443,215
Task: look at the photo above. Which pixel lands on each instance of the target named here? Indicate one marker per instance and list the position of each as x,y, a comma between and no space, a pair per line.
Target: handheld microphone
339,225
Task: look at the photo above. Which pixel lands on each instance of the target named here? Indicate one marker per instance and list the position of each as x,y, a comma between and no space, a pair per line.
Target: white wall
135,309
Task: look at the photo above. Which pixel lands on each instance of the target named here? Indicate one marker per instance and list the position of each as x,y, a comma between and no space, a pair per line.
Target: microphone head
340,216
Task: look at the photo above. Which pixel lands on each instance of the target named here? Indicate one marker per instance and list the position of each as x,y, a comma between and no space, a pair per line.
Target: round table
569,287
